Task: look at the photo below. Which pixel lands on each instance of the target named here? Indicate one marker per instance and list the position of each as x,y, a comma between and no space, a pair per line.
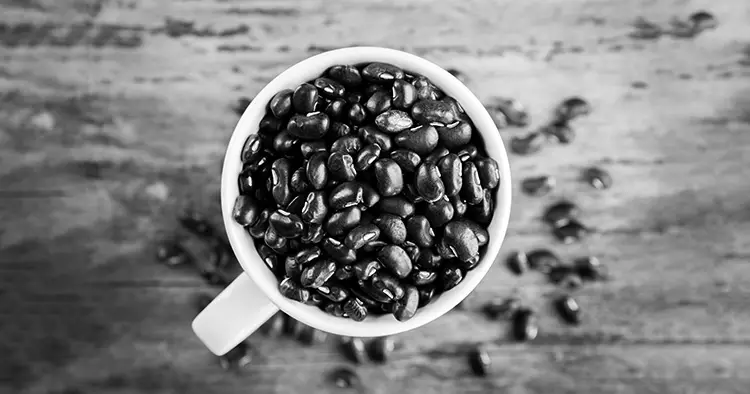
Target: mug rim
244,247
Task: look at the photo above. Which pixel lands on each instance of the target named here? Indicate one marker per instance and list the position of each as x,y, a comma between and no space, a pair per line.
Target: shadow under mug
254,297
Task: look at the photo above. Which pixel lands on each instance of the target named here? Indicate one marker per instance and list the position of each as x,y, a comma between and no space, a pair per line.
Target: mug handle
233,315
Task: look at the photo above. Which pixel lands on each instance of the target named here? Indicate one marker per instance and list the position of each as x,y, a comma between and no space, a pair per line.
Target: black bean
439,213
436,155
361,235
461,239
273,239
504,308
570,232
336,110
354,349
317,173
314,209
459,206
306,256
309,127
295,207
290,289
393,121
515,112
298,182
355,309
304,98
469,152
281,172
479,361
562,132
345,195
341,166
561,213
252,149
381,348
379,102
270,125
347,144
286,224
344,272
365,269
489,172
571,108
404,94
524,326
703,20
421,277
407,306
598,178
258,230
471,185
455,135
386,285
338,251
308,148
395,259
450,277
426,90
380,294
355,97
590,268
367,157
418,229
527,144
348,75
270,258
374,246
390,179
421,139
382,73
428,183
246,181
481,232
518,262
397,206
318,273
432,111
542,260
357,113
292,268
429,260
392,228
281,103
329,88
406,159
412,250
372,135
568,309
370,196
334,309
451,173
538,185
455,105
411,194
334,293
246,210
558,273
342,221
425,295
482,212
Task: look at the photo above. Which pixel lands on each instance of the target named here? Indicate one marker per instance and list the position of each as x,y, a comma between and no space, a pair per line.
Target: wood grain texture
115,114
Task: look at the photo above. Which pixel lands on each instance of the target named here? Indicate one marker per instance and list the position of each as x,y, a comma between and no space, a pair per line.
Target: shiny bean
429,260
406,159
421,139
281,103
390,179
292,268
439,213
317,172
387,285
314,209
428,183
252,150
349,144
345,74
313,235
459,206
336,110
270,125
246,181
455,135
342,221
392,228
398,206
370,196
334,293
367,157
379,294
258,230
379,102
455,106
451,173
461,239
482,212
309,127
334,309
298,183
357,113
396,260
355,97
437,154
361,235
355,308
339,130
426,90
480,361
304,98
365,269
570,232
393,121
422,277
406,308
480,232
425,295
306,256
411,194
318,273
371,135
598,178
345,195
295,207
286,224
489,172
471,189
431,111
329,88
450,277
560,213
418,230
338,251
382,73
341,166
308,148
270,258
445,252
246,210
281,172
290,289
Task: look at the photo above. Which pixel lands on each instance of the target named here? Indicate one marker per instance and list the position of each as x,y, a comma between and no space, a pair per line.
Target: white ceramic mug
254,296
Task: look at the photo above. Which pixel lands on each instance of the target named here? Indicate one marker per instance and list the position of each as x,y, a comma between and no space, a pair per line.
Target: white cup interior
243,244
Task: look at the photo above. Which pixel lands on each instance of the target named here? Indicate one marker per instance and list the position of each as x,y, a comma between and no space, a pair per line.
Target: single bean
543,260
370,196
392,228
382,73
308,148
398,206
439,213
429,260
270,125
357,114
270,258
404,94
304,98
286,224
432,111
246,181
281,172
290,289
393,121
480,232
306,256
314,209
459,206
318,273
421,139
411,194
373,246
451,173
418,230
425,295
469,152
525,326
317,173
355,97
455,105
480,361
309,127
338,130
428,183
334,293
406,159
455,135
341,166
252,150
336,109
538,185
295,207
345,195
313,235
365,269
471,189
361,235
347,75
421,277
292,268
598,178
390,179
338,251
426,90
570,232
560,213
380,294
281,103
450,277
367,157
349,144
482,212
258,230
461,239
379,102
437,154
329,88
406,308
298,182
590,268
395,259
342,221
517,262
355,309
371,135
571,108
246,211
388,285
489,172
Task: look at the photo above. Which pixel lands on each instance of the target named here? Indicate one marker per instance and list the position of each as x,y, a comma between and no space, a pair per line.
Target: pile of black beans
367,190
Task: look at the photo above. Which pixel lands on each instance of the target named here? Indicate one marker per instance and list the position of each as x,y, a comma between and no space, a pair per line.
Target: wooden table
114,114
